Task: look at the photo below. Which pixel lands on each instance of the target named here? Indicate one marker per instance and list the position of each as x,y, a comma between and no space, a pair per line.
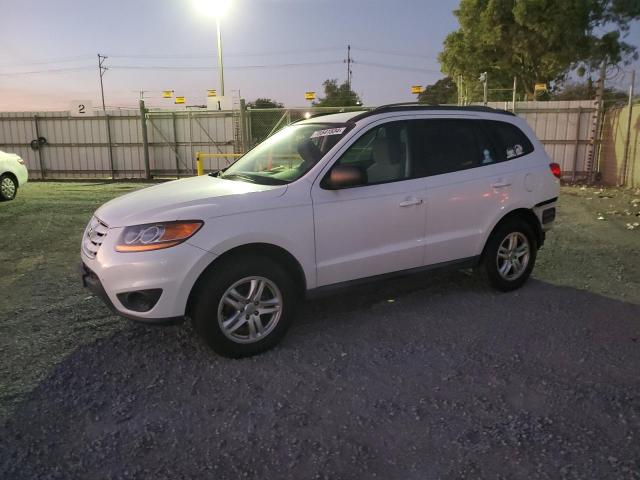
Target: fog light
140,300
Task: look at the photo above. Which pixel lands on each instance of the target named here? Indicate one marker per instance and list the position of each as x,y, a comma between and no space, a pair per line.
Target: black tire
3,194
488,268
209,295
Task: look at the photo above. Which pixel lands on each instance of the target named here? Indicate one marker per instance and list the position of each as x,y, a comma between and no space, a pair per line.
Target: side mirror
344,176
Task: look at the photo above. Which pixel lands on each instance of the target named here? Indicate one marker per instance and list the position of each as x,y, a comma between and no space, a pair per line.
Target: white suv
326,202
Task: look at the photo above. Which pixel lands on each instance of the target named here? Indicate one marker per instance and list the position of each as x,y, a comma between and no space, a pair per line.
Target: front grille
94,236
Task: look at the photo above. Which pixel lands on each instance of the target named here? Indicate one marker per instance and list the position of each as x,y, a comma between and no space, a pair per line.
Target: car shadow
419,377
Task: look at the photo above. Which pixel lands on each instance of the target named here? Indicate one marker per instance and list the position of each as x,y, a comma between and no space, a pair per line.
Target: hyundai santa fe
326,202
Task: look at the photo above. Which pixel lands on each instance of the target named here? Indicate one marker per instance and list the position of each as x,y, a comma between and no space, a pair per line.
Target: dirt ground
427,377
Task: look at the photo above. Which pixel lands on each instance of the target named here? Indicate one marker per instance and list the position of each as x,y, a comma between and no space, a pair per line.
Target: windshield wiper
217,173
238,176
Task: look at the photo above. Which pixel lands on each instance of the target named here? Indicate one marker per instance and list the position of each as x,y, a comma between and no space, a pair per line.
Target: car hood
195,198
8,156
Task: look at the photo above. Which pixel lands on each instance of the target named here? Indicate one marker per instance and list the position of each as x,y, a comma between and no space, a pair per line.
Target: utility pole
628,137
515,85
594,146
102,69
349,66
145,139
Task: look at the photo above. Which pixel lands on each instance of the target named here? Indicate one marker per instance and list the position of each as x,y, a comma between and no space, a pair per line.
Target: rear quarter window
509,141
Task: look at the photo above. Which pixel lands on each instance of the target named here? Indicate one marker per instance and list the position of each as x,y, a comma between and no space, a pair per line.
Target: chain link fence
264,122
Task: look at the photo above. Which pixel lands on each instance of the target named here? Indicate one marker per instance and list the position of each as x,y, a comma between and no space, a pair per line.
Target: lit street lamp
217,9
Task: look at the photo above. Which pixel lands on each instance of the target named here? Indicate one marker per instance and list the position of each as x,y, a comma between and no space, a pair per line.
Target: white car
326,202
13,174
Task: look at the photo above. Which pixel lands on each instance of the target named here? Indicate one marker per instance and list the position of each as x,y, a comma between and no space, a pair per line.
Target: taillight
555,169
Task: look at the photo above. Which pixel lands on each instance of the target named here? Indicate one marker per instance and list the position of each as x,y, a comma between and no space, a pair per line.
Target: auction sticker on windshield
328,131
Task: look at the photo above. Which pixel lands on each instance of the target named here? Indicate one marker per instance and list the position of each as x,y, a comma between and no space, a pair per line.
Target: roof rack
408,106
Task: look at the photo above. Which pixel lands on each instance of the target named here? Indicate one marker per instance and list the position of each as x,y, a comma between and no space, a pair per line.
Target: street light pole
220,65
216,9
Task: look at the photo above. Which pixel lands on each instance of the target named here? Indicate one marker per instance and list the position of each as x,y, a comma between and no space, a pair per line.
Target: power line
397,53
398,67
48,62
208,67
177,56
168,67
174,56
349,62
49,70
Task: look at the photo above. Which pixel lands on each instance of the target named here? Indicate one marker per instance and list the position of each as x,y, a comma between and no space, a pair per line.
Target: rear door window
448,145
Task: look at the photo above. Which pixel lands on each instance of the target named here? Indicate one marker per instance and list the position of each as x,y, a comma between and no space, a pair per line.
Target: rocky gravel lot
424,377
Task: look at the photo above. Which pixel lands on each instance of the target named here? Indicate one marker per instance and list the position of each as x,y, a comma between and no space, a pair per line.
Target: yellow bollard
199,166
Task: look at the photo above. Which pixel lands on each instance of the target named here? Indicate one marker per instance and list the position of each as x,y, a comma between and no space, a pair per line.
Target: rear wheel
8,187
244,306
510,255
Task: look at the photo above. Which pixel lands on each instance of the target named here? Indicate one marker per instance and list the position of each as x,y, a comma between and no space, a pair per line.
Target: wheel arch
524,214
274,252
9,173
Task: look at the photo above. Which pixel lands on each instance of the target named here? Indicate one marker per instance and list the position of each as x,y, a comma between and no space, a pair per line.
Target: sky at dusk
272,48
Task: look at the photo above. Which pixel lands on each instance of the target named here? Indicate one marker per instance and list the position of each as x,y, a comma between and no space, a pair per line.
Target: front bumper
112,276
91,281
22,174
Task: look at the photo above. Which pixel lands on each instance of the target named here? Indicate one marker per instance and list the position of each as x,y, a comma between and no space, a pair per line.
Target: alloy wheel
8,188
250,309
513,256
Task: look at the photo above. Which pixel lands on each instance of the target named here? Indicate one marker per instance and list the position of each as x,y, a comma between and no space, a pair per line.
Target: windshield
287,155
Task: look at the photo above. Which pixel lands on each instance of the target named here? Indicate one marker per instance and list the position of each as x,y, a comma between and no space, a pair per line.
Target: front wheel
509,256
8,187
244,307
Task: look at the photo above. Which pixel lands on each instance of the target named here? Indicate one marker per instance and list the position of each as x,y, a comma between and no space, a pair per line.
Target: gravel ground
425,377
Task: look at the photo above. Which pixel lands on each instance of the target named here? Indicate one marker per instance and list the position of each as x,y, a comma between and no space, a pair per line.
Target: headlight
20,161
154,236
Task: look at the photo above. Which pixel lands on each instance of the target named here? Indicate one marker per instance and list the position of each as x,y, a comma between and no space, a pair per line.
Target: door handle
411,201
501,184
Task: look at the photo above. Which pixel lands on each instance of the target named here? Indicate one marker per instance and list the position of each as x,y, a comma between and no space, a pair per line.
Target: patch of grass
44,311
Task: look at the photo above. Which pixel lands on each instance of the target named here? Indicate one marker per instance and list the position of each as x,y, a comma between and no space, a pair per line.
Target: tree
444,90
338,95
576,91
587,91
536,40
264,103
